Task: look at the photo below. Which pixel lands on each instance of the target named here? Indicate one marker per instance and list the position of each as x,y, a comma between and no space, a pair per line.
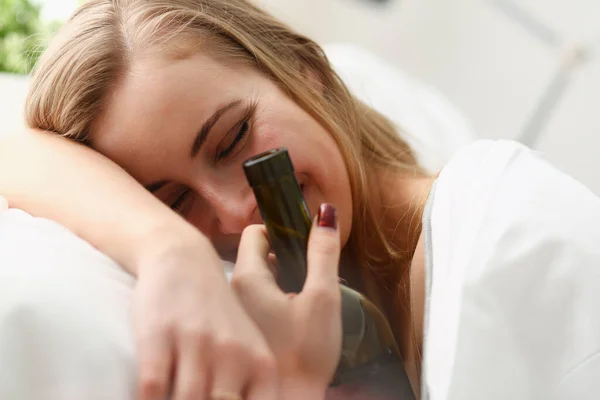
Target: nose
235,210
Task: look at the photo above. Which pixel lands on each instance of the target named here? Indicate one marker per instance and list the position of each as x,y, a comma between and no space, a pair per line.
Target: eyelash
244,128
245,124
176,206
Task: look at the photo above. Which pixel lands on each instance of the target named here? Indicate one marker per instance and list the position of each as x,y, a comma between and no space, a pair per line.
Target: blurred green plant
23,36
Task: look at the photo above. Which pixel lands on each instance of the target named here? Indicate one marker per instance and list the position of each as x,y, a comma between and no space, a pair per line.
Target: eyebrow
207,126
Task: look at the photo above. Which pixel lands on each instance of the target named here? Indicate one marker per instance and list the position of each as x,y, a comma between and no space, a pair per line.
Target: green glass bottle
370,361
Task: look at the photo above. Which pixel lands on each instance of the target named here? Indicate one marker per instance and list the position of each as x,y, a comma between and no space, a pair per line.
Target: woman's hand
195,341
304,331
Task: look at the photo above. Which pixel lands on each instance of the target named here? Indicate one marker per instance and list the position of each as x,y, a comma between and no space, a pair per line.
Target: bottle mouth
268,167
264,157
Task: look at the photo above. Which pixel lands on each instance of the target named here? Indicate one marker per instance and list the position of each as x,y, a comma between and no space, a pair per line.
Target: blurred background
521,69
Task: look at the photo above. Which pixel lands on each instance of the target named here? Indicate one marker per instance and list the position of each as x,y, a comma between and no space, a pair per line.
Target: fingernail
327,216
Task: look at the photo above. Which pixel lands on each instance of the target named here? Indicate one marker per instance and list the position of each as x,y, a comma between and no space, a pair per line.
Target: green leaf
22,35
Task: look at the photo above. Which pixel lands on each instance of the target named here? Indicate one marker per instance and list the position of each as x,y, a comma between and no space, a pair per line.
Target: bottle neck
288,223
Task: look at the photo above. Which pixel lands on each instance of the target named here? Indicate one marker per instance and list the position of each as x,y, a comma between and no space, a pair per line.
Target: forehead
160,100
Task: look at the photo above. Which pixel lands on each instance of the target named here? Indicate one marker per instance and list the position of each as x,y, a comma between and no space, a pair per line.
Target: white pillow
65,328
64,316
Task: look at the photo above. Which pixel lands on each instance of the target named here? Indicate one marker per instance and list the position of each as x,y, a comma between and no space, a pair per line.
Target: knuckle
265,362
152,386
265,367
230,346
157,322
198,333
239,282
325,298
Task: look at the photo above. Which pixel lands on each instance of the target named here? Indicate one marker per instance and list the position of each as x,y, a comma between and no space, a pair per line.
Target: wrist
172,242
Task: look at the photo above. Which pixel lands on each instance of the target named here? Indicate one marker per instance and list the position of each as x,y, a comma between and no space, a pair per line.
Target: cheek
331,178
200,219
316,157
340,195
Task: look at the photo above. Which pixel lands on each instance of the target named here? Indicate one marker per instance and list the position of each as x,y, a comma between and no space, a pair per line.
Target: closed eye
181,204
242,128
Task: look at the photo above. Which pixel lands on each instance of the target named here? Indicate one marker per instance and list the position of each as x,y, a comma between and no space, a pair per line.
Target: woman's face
183,129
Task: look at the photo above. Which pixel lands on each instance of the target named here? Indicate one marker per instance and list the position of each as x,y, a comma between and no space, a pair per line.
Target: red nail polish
327,216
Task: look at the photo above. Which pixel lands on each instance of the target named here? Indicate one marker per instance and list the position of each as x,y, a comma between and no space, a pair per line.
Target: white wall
57,9
13,90
482,59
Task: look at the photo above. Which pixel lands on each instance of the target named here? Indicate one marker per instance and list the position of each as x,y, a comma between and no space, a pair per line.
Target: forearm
55,178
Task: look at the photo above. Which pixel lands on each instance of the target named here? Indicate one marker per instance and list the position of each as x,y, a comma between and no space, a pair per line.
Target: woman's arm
56,178
183,310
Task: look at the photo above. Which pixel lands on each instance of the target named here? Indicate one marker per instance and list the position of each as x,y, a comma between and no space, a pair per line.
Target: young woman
139,104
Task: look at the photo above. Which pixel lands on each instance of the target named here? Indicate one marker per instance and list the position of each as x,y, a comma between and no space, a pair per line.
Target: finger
252,279
264,385
323,255
253,252
156,362
231,370
273,265
252,273
192,367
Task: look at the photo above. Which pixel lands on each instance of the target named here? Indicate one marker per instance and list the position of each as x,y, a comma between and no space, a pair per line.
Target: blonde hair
71,82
